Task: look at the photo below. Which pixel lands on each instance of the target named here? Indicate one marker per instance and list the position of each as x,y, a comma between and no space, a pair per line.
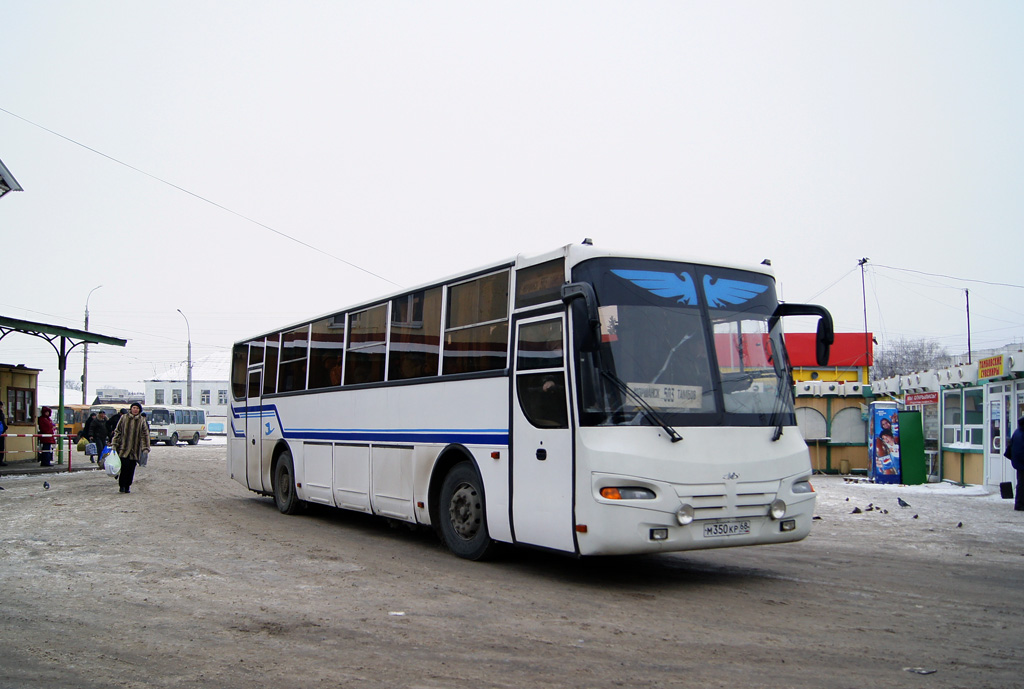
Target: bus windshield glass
160,417
693,341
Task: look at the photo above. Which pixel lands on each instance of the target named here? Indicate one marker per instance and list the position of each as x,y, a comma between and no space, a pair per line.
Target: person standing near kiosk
1015,453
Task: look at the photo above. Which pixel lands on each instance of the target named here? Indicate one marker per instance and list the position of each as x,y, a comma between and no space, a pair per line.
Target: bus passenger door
254,431
542,447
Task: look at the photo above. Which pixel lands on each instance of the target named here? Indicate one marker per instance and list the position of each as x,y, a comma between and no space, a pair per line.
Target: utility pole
967,295
85,350
867,336
189,383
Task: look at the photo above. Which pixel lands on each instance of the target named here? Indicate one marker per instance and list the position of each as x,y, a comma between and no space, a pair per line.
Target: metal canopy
7,181
53,333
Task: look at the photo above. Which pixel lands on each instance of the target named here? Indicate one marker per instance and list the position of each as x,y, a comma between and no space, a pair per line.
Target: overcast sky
406,141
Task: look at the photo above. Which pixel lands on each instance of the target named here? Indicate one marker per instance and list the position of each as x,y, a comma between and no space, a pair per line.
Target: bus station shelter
63,340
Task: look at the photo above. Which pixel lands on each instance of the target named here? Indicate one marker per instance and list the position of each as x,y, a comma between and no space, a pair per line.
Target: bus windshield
160,417
693,341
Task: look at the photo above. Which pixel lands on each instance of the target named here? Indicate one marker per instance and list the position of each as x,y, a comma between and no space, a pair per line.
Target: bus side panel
318,461
352,477
236,447
419,421
392,482
494,473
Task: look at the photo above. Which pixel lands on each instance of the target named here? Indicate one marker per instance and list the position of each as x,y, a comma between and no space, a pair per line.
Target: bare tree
897,357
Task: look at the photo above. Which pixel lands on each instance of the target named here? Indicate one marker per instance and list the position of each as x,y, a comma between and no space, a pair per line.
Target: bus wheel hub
465,511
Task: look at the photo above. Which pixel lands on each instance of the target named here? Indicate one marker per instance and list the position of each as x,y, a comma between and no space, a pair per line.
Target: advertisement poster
884,445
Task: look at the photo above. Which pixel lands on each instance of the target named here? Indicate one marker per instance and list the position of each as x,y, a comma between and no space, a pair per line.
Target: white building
209,389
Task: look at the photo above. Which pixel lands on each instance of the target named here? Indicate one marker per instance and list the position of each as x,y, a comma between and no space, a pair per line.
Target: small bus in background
110,409
75,416
169,424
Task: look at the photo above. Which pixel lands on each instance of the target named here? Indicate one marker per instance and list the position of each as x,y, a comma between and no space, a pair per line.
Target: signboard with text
913,398
991,367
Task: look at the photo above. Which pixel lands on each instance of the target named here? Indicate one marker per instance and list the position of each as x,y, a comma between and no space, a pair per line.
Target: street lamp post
189,330
85,350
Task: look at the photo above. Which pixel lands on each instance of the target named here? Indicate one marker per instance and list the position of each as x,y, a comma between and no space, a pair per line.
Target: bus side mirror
588,338
825,334
824,339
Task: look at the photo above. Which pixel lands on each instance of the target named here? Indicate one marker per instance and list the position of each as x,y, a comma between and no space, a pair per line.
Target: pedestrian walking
113,421
96,433
1015,453
131,440
3,436
46,437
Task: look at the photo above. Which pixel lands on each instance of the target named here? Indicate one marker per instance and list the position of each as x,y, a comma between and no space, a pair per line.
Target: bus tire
285,497
462,517
194,440
173,440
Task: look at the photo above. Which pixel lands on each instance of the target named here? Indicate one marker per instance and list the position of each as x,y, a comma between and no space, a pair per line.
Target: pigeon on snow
46,485
901,502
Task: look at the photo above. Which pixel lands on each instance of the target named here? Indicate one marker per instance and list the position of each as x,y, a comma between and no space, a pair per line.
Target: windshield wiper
643,404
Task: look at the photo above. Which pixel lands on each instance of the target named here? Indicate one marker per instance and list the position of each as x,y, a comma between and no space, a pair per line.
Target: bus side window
476,330
542,394
415,335
292,370
364,362
326,347
542,398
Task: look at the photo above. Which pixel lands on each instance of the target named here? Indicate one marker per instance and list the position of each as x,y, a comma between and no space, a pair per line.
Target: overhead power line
948,277
201,198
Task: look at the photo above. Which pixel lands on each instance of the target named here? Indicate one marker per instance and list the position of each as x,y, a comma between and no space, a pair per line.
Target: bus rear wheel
285,497
194,440
462,517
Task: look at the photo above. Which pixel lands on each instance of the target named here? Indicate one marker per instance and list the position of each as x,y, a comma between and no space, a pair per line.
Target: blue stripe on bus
484,436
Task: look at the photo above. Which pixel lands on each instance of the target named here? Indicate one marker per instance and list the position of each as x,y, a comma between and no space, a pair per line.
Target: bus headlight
627,493
684,515
777,509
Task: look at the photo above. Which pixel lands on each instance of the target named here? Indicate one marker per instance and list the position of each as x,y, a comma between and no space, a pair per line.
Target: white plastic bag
112,463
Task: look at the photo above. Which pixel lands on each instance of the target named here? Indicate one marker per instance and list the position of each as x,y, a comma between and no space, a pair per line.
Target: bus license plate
716,529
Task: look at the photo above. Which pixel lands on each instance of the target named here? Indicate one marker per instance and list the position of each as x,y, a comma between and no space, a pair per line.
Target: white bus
170,424
581,401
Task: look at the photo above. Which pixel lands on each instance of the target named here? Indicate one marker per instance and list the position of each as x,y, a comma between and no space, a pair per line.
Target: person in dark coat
46,437
1015,453
3,438
113,421
96,432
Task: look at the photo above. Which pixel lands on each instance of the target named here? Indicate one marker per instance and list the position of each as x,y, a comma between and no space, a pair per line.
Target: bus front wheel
284,485
173,439
463,522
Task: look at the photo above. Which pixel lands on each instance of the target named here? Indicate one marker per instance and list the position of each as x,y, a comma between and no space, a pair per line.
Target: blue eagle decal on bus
720,292
668,285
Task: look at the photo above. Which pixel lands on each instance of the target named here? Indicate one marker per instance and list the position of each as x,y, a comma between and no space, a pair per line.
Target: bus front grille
716,500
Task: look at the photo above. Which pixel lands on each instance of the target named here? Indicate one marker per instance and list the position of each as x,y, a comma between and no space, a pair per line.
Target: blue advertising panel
884,442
